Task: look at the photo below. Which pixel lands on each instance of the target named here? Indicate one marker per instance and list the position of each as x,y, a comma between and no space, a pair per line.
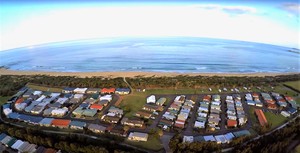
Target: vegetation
133,103
69,143
3,99
277,142
275,119
176,145
293,84
43,88
153,143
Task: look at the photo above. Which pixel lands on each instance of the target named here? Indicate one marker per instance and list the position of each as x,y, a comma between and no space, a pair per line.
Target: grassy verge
4,99
253,117
43,88
294,84
275,119
133,103
153,143
297,149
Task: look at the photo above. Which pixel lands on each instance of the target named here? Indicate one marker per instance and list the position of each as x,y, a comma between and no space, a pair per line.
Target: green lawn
297,149
298,100
153,143
275,119
4,99
284,90
253,117
133,103
294,84
43,88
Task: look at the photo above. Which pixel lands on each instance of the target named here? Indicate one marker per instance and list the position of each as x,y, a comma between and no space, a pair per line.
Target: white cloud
210,21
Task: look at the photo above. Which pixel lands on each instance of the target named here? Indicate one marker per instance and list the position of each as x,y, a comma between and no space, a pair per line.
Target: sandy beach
4,71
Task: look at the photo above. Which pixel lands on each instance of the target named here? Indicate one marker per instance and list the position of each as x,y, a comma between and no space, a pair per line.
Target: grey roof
241,133
78,124
96,127
46,121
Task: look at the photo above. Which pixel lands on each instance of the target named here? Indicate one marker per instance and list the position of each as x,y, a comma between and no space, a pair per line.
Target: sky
29,23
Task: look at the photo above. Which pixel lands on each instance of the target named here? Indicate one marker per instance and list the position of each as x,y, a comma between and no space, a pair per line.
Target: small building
106,97
110,119
161,101
231,123
46,122
117,111
80,90
241,133
188,139
138,136
97,128
68,90
96,106
77,125
151,99
285,114
221,139
200,125
229,136
143,114
108,91
152,107
92,90
59,112
89,112
209,138
122,91
61,123
103,102
132,122
261,117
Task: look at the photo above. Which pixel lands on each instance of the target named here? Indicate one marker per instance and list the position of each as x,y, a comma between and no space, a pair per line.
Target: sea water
163,54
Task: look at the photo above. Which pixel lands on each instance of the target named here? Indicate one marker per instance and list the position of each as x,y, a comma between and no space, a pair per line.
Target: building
221,139
122,91
92,90
97,128
132,122
188,139
110,119
231,123
59,112
108,91
106,97
138,136
261,117
68,90
61,123
151,99
46,122
80,90
200,125
77,125
152,108
161,101
96,106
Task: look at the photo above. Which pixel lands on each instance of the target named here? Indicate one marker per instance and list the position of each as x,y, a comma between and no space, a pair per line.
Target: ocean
163,54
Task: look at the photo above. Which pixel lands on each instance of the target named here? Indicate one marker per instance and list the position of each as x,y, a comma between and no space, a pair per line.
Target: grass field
275,119
284,90
297,149
3,99
294,84
253,117
43,88
133,103
153,143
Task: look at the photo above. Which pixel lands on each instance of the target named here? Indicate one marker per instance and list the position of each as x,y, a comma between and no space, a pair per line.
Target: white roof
229,136
80,90
7,111
58,111
41,98
209,138
37,92
55,94
78,96
17,144
111,114
188,139
221,138
62,100
106,97
151,99
199,124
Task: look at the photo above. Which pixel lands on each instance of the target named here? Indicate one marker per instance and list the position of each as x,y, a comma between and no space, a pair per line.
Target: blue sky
28,23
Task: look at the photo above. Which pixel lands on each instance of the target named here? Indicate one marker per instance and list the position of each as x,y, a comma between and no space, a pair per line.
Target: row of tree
277,142
68,143
10,83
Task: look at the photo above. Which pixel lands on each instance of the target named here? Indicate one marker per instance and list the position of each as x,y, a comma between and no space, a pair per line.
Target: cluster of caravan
23,146
177,113
152,107
235,111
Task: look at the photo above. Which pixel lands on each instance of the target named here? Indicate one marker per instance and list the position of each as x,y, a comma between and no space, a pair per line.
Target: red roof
289,98
61,122
255,95
270,101
231,123
207,98
108,90
272,106
261,117
179,125
19,100
96,106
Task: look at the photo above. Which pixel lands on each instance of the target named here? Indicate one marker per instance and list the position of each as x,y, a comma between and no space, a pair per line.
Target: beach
4,71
